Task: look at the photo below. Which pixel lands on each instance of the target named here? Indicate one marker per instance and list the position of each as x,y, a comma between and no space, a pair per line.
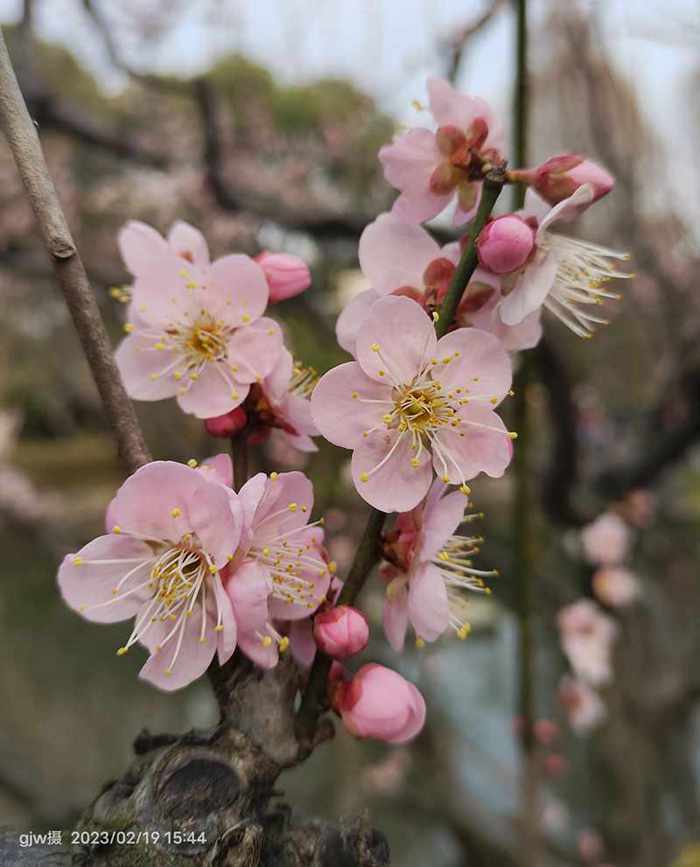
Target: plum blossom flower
279,572
505,244
286,275
412,404
172,530
606,540
560,176
564,275
431,168
428,567
377,703
341,631
196,329
400,259
587,636
584,707
616,586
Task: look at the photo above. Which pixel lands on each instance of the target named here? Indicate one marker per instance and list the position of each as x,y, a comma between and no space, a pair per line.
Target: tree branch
68,267
456,44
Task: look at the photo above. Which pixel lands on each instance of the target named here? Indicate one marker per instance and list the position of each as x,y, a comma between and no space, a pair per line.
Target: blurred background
260,123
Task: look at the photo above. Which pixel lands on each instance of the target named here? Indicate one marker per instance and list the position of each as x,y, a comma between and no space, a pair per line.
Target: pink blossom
560,176
279,572
587,636
411,404
227,425
427,569
564,275
555,765
286,275
430,168
505,244
606,541
584,707
172,530
590,845
378,703
196,329
546,731
616,586
341,631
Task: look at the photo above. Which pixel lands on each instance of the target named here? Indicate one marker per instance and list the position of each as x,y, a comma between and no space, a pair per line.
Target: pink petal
276,383
226,642
428,608
342,418
253,350
410,159
249,496
395,616
568,209
479,444
192,660
440,521
420,206
213,393
449,107
274,515
482,368
146,501
236,290
531,290
188,243
396,342
248,590
91,584
353,317
394,254
398,486
140,245
142,369
302,643
416,720
162,295
219,468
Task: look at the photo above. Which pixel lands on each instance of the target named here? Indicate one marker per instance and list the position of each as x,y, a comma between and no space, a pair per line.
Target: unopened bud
227,425
286,275
505,244
341,631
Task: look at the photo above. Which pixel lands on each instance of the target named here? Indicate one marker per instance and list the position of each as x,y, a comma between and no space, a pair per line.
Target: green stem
491,189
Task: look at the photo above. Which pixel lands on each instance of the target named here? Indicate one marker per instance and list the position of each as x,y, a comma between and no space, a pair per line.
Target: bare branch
457,44
68,267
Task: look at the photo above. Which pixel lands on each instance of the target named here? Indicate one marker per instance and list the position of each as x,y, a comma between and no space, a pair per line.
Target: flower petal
341,417
410,159
213,393
236,290
87,586
441,519
416,720
353,317
428,608
254,350
533,286
480,444
395,615
384,475
226,642
482,367
193,657
248,590
139,245
394,254
188,243
396,342
147,373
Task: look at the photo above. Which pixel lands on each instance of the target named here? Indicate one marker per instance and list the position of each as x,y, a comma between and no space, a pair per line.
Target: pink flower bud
560,177
378,703
227,425
286,275
341,631
505,244
555,765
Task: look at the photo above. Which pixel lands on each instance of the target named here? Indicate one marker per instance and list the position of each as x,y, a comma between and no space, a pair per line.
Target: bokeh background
259,123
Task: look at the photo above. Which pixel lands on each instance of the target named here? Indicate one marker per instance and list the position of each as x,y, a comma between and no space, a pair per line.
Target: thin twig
68,267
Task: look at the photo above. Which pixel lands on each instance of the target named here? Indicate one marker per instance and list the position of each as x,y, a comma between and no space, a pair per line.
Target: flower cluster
204,568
